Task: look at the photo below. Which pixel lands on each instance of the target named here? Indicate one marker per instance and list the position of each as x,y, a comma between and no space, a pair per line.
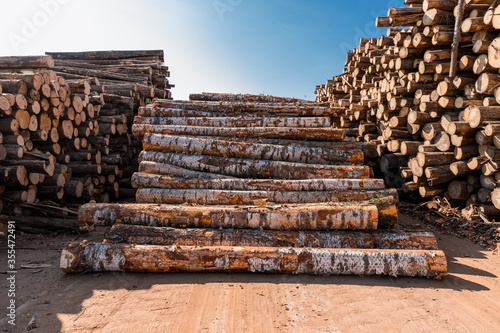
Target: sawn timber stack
246,183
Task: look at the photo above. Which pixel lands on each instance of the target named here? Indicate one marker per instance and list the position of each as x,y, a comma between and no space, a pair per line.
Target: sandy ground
467,300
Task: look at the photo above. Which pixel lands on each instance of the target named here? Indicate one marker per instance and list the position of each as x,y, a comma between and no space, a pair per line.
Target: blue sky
274,47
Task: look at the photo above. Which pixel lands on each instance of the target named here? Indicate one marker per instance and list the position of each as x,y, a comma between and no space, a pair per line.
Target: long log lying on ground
92,257
140,179
292,133
232,197
235,108
244,168
145,235
329,216
237,121
248,150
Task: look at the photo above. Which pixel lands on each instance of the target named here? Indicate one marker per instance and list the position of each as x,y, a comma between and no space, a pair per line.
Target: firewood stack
247,183
436,132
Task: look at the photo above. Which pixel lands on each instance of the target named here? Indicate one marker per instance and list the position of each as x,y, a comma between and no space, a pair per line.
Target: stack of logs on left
44,125
245,183
48,164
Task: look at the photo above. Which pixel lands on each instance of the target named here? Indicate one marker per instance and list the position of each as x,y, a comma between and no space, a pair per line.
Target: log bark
243,168
234,197
258,151
92,257
293,133
140,179
236,121
144,235
26,62
307,217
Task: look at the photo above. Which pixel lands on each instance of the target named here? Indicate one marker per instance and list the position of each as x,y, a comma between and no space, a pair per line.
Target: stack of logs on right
428,94
245,183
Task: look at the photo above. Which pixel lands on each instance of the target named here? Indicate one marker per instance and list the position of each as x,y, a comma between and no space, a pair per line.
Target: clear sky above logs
279,47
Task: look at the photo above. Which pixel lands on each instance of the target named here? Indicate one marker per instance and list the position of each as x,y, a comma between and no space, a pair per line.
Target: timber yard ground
467,300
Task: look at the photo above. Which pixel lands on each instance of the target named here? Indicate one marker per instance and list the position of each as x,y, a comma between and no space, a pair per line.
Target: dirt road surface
467,300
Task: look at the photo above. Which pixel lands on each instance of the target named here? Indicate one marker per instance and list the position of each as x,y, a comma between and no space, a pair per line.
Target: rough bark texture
92,257
329,216
145,235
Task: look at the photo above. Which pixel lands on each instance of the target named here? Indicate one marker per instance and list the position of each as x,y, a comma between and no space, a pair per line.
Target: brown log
26,62
261,151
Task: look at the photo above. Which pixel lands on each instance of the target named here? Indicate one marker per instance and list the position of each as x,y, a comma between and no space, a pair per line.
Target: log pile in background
436,134
247,183
124,81
64,140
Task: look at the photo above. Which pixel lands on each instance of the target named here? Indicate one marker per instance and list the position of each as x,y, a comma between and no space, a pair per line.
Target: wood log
144,235
314,134
91,257
260,151
255,168
233,197
140,179
26,62
236,121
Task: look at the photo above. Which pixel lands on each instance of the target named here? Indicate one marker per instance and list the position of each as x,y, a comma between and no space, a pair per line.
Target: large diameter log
236,121
494,51
259,151
479,114
232,197
26,62
140,179
244,168
145,235
495,197
278,217
292,133
92,257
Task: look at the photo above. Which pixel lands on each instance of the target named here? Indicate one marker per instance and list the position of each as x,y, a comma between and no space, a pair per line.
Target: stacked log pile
64,141
247,183
431,110
124,81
